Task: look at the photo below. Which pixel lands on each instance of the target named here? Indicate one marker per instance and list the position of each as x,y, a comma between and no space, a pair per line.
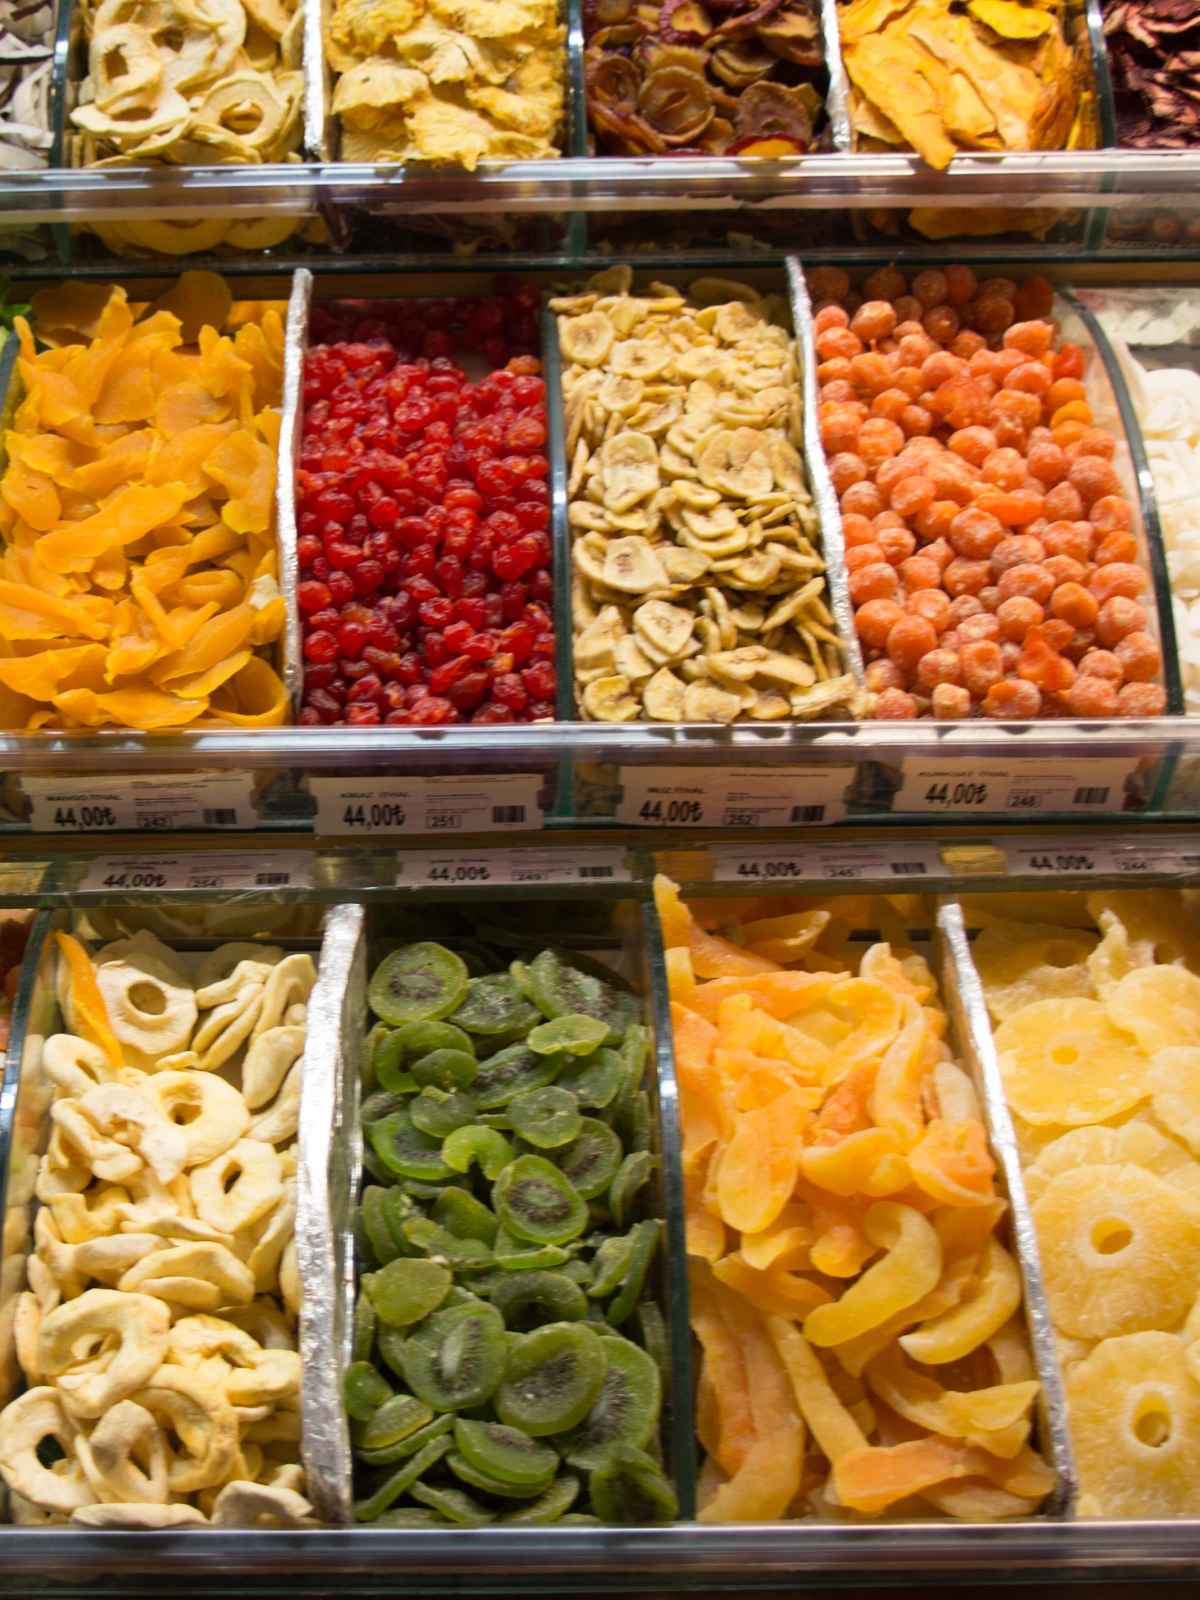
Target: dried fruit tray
686,1554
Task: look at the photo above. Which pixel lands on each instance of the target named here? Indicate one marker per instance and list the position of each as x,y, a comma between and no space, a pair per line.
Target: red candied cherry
493,478
514,560
351,638
508,689
517,640
363,714
470,608
436,612
431,710
341,587
313,596
321,646
368,575
309,549
493,711
539,679
368,687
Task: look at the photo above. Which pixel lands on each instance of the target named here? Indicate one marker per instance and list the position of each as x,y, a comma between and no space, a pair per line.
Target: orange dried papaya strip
89,1014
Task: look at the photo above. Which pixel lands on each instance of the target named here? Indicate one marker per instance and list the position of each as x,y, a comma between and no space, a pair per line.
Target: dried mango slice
839,1189
136,512
87,1013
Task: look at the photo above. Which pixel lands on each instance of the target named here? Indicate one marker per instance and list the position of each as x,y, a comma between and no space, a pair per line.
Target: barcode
219,816
808,813
508,813
907,869
267,879
1091,797
595,872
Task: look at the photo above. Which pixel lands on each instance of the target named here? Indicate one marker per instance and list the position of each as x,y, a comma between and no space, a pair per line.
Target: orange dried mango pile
858,1314
138,567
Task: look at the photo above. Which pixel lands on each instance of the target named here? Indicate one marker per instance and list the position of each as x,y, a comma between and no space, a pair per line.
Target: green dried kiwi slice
410,1517
382,1243
625,1411
460,1213
519,1255
653,1328
508,1455
391,1342
579,1272
630,1489
592,1160
364,1390
632,1177
610,1265
576,1034
405,1151
437,1113
596,1082
377,1034
362,1339
391,1070
446,1069
401,1480
454,1505
485,1148
420,1038
474,1479
645,1243
552,1379
417,983
535,1201
399,1418
560,989
456,1358
431,1239
382,1103
494,1005
551,1506
547,1117
528,1299
510,1072
406,1291
636,1122
400,1449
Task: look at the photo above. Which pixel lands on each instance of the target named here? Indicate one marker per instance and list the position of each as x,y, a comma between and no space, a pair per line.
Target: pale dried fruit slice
1064,1061
1156,929
786,465
704,702
640,358
631,662
1020,962
1113,958
1159,1006
741,664
736,321
1135,1424
594,647
696,496
619,395
664,627
664,696
586,339
632,566
1135,1143
1175,1092
628,465
609,700
683,566
1120,1250
713,524
735,461
590,554
787,670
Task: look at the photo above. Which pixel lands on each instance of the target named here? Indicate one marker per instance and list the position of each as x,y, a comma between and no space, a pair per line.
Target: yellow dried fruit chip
1065,1062
1021,962
1175,1092
1135,1426
1134,1143
1159,1006
1120,1250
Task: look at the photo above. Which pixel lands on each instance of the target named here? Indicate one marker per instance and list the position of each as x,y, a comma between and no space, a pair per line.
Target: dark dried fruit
1153,54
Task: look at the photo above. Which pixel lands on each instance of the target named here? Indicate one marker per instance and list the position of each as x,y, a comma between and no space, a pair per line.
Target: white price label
733,797
426,868
1023,787
483,803
158,802
1111,855
214,870
899,863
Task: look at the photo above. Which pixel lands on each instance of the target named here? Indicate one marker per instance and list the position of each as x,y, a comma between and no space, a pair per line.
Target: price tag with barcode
218,871
1099,855
484,803
158,802
848,862
733,797
424,868
1024,787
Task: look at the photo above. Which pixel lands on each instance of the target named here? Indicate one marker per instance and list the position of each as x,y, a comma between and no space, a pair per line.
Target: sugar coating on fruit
1102,1070
854,1295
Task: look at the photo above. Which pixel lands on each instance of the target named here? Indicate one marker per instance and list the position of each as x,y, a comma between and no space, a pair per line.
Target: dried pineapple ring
1136,1144
1066,1062
1175,1092
1020,962
1120,1250
1135,1424
1159,1006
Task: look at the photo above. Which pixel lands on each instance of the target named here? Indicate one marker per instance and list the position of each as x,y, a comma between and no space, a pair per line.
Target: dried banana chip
662,627
628,464
664,696
632,566
609,700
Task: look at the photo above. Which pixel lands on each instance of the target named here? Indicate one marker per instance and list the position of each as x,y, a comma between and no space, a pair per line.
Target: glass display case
415,366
